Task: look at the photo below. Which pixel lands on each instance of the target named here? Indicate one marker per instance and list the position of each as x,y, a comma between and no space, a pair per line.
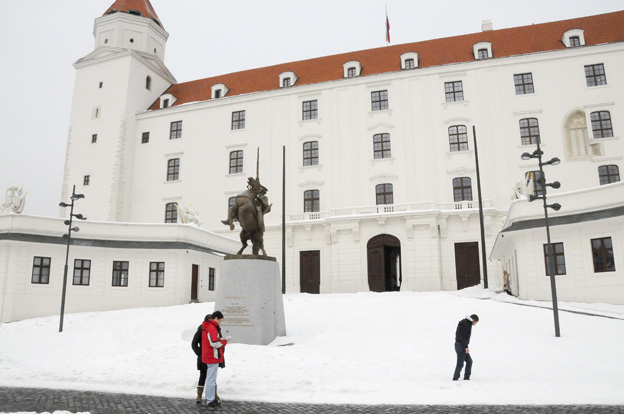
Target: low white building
111,265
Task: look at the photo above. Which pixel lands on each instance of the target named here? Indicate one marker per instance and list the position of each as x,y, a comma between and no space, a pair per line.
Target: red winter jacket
212,344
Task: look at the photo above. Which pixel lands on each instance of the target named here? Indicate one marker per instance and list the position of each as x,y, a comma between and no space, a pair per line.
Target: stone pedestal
249,295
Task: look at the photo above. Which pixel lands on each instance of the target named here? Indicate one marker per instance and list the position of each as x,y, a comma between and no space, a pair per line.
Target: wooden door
467,264
378,261
310,271
194,281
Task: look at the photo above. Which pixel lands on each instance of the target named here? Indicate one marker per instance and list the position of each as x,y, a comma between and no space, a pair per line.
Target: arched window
236,162
608,174
381,146
458,138
462,189
148,83
576,140
384,194
171,213
310,153
311,201
529,131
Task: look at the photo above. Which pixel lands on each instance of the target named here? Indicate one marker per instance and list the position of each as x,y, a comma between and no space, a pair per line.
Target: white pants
211,382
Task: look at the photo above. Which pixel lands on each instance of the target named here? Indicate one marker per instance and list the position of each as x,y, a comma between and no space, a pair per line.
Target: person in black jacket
462,339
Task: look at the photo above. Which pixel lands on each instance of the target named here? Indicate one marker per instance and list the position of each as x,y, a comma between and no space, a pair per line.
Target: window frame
238,120
560,268
454,91
236,165
459,188
595,75
602,126
120,273
382,146
575,41
312,201
309,110
483,53
523,83
379,100
529,132
608,174
311,153
175,130
85,267
38,276
94,138
156,275
86,180
171,213
409,63
458,140
539,188
211,278
384,194
173,169
145,136
606,254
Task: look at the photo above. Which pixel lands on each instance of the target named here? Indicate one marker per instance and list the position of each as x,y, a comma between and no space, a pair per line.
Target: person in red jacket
212,355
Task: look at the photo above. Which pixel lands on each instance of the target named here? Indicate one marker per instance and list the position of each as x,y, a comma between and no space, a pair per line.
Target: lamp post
541,181
74,197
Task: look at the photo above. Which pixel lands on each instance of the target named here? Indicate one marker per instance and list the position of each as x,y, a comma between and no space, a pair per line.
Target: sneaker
212,404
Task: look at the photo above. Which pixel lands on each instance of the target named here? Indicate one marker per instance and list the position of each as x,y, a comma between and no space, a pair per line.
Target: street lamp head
77,196
76,229
554,185
61,204
79,216
67,222
555,206
526,156
553,161
532,197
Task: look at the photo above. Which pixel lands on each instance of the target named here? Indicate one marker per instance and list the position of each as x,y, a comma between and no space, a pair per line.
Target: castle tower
124,75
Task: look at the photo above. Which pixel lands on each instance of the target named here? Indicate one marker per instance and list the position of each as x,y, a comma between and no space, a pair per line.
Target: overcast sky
40,39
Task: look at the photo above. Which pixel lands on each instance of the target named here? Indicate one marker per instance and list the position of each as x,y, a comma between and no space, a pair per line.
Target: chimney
486,25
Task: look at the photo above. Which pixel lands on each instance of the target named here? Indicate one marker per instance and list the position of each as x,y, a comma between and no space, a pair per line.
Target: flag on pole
387,27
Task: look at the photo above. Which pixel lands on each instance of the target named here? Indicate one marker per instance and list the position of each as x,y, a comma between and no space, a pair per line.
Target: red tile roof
143,6
600,29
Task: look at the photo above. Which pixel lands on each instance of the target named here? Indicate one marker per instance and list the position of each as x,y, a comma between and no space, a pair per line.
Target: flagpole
387,27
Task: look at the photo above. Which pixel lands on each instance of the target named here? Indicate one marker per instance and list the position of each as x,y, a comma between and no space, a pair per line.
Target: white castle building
381,183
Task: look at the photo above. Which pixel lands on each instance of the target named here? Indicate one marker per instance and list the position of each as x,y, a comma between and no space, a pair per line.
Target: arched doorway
384,263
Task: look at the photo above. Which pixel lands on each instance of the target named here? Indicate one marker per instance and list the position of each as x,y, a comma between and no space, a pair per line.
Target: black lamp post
74,197
541,182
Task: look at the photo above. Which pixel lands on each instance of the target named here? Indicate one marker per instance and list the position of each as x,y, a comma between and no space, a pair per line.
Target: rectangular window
381,146
86,179
236,162
409,64
310,153
120,273
41,270
82,272
483,54
351,73
101,84
145,138
379,100
93,138
454,91
462,189
458,138
311,201
286,83
157,274
529,131
171,213
176,130
211,278
238,120
524,83
575,41
595,75
173,169
560,268
310,110
384,194
608,174
602,252
535,182
601,124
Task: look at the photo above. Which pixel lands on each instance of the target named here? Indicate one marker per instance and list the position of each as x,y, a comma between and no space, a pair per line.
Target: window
524,83
351,73
82,271
602,251
93,138
608,174
410,64
41,270
379,100
145,138
157,274
535,179
483,54
458,138
148,83
311,201
165,103
120,273
286,83
462,189
595,75
384,194
173,169
560,268
529,131
217,93
171,213
381,146
231,202
310,153
86,179
575,41
601,124
454,91
310,110
176,130
236,162
101,85
211,278
238,120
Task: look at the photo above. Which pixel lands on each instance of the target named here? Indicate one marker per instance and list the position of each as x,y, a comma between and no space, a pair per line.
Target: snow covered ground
368,348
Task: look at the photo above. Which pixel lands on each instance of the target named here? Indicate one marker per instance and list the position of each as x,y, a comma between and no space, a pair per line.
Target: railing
390,209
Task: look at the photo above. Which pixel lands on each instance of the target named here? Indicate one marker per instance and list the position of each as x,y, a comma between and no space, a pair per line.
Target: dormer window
287,79
352,69
482,50
574,38
167,100
409,60
148,83
219,91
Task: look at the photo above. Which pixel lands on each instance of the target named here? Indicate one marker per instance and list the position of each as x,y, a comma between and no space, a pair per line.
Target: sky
41,39
360,348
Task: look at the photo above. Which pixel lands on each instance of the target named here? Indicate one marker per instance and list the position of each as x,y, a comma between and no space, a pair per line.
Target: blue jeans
211,381
461,357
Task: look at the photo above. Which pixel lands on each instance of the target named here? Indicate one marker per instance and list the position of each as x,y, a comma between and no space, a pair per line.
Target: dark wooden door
194,281
310,271
381,250
467,264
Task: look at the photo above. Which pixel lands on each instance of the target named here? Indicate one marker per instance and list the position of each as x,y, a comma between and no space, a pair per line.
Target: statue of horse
249,209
